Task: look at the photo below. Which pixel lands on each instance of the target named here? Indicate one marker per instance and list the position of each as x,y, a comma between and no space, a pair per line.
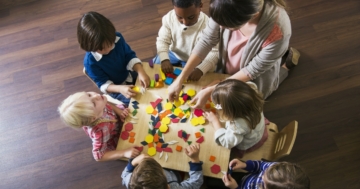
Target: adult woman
253,36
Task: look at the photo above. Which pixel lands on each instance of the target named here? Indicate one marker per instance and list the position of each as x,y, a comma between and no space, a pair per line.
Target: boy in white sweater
181,28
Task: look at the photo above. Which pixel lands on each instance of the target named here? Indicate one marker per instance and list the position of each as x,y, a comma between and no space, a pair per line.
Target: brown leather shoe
292,58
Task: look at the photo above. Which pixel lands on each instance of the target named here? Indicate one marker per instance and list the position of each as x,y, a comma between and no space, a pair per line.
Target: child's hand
144,79
210,116
139,159
167,67
200,98
229,181
195,75
124,113
131,152
193,152
127,91
237,164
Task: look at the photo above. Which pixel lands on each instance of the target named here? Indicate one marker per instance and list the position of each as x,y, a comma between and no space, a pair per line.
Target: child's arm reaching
143,77
196,175
212,118
131,152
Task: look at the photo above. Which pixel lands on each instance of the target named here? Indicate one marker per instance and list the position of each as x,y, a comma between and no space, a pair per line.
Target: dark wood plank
41,64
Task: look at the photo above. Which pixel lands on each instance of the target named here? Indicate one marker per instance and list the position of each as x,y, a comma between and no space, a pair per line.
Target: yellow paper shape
149,109
149,138
136,89
201,120
177,111
163,128
194,121
191,92
168,106
152,151
187,114
165,120
181,100
177,103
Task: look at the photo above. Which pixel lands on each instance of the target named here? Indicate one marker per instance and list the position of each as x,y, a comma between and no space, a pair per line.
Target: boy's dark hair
94,32
148,175
186,3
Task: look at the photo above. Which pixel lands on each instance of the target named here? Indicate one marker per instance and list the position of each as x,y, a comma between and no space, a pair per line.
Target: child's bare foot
167,67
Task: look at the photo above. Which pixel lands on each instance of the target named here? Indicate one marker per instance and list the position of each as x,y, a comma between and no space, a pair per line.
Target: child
180,30
280,175
100,120
242,107
145,172
109,60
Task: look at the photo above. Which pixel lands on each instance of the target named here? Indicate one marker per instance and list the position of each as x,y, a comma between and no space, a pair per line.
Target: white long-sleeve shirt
173,37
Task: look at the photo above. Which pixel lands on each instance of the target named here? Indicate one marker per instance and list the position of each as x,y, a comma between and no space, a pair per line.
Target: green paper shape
202,130
189,142
159,133
149,131
134,112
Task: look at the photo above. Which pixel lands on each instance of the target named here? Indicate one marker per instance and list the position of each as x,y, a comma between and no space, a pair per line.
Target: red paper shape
215,169
180,133
158,124
185,97
167,149
140,148
198,112
159,149
124,135
200,140
175,120
129,126
153,104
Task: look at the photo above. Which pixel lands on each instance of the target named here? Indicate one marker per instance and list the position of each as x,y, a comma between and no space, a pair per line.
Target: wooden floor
41,64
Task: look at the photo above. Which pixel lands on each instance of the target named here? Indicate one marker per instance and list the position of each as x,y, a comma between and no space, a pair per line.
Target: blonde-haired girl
100,120
241,106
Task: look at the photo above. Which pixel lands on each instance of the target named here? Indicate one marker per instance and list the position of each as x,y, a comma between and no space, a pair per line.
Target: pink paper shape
124,135
167,149
180,134
159,149
175,120
129,127
198,112
158,124
200,140
215,169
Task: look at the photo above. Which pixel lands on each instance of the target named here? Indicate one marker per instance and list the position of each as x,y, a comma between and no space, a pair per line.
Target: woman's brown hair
148,175
238,100
95,32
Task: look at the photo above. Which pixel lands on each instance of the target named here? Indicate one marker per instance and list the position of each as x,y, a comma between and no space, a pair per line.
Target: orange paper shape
178,148
131,139
132,134
212,158
151,145
198,134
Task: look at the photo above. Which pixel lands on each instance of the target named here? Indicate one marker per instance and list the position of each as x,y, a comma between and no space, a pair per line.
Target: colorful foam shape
197,134
215,169
191,92
200,140
167,149
136,89
149,109
124,135
162,75
152,83
129,126
156,77
169,80
152,151
178,148
151,63
177,71
149,138
198,112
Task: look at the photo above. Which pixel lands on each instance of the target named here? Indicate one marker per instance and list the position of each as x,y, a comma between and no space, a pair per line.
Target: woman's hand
144,79
201,98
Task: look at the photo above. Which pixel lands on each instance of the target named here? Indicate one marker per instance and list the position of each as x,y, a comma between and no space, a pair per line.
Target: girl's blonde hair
76,112
285,175
238,100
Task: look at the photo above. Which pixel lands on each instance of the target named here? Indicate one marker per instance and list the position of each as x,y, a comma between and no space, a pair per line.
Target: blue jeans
121,97
173,60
